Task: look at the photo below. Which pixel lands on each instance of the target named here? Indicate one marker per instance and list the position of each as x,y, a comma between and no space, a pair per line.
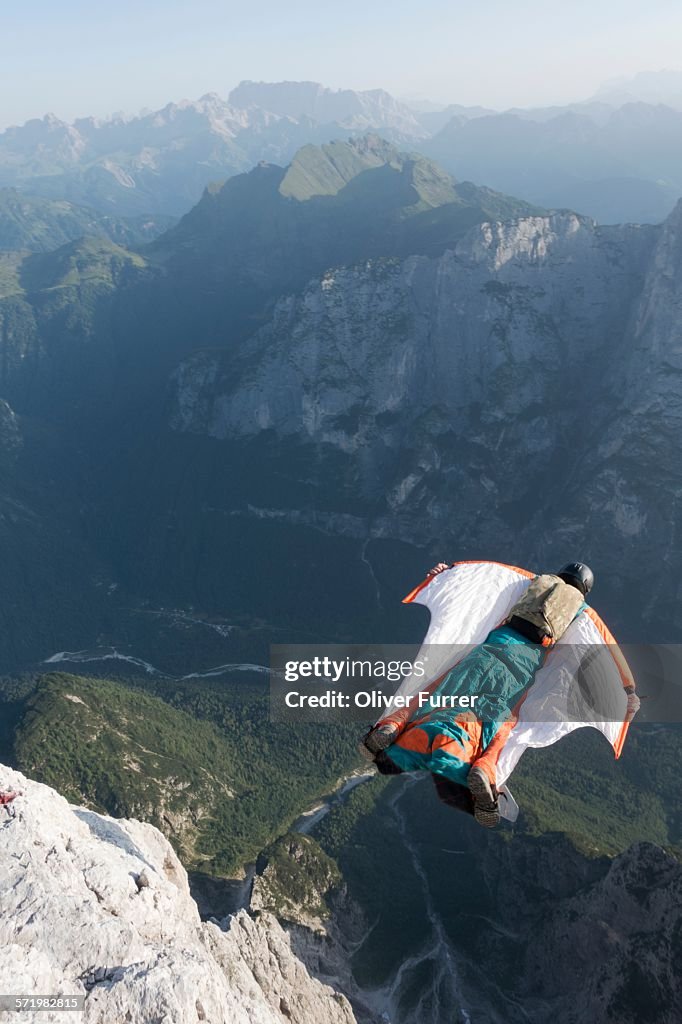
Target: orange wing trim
620,741
471,561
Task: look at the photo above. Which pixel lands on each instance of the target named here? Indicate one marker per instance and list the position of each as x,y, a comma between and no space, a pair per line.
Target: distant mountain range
160,162
374,109
617,165
616,157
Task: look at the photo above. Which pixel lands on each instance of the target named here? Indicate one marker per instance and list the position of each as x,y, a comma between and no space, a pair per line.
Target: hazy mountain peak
664,86
374,107
95,262
674,218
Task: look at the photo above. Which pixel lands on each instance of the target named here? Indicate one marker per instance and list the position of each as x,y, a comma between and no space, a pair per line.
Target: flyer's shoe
486,810
377,739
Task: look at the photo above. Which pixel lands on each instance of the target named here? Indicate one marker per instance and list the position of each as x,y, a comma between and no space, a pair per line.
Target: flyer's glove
634,704
438,569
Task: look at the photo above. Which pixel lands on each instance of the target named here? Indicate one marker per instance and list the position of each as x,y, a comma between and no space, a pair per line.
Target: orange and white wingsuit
467,602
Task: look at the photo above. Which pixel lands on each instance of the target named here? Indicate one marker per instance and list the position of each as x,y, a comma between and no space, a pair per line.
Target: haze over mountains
616,158
645,87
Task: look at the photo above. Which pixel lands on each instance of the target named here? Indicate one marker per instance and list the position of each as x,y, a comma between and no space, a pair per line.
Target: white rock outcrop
101,907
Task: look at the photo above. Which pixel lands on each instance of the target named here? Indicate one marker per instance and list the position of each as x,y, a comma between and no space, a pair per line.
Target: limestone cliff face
633,475
101,907
485,333
516,396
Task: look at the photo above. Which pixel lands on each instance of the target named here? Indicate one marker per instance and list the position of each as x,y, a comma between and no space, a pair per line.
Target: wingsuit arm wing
466,601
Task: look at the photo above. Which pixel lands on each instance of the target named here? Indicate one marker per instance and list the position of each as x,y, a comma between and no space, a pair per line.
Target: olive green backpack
550,604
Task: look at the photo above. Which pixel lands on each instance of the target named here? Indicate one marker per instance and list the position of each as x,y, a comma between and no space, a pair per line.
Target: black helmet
578,575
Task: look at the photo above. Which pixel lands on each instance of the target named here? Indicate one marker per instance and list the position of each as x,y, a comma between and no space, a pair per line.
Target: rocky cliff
515,395
101,908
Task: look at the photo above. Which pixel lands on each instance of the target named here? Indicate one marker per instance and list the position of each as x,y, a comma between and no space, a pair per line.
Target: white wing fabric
471,598
466,602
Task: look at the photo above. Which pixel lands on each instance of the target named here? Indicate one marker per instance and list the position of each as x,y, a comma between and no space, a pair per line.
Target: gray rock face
481,334
632,475
520,392
101,908
514,397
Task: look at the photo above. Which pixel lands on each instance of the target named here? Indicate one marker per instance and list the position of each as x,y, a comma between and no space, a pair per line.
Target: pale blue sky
77,57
